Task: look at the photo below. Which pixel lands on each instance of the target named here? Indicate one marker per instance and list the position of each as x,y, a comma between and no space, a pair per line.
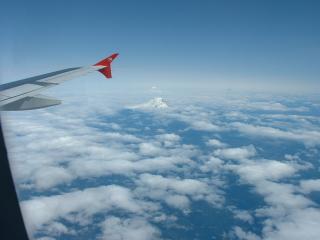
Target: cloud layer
130,173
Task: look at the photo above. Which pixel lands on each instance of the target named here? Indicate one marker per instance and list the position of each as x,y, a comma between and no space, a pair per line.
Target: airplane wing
24,94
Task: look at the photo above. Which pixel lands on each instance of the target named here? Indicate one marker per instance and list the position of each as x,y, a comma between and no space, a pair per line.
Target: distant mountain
157,102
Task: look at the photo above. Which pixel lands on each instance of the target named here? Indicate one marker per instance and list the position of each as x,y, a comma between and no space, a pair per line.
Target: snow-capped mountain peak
157,102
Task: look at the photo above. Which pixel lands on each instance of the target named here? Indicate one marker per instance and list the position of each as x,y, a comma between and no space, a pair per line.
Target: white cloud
264,170
168,139
44,210
171,137
216,143
115,136
197,118
243,215
263,174
57,229
79,151
52,152
59,147
299,224
242,235
51,176
204,126
164,218
182,186
310,185
114,228
292,157
268,106
96,168
239,153
178,201
308,137
150,149
176,192
213,164
288,215
264,105
46,238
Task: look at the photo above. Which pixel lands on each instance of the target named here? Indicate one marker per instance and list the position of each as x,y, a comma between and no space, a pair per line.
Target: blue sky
208,44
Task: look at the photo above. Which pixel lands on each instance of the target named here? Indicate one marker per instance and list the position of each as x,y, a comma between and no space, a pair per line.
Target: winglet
106,71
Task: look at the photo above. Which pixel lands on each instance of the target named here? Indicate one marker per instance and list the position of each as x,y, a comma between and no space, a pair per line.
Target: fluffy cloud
310,185
308,137
243,215
182,186
176,192
51,176
197,118
252,103
299,224
96,168
242,235
115,136
168,139
204,126
43,210
268,106
213,164
263,170
50,149
289,215
236,153
216,143
81,151
149,149
53,149
114,228
178,201
171,137
57,229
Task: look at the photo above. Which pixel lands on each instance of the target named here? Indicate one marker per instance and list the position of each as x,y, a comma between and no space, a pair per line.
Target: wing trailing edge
30,103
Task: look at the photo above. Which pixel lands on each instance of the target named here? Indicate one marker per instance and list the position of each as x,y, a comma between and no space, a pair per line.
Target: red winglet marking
107,63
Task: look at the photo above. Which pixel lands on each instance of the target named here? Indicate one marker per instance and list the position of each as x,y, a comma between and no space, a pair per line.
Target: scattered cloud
299,224
52,176
149,149
308,137
216,143
240,153
242,235
310,185
263,169
43,210
114,228
287,212
115,136
243,215
177,192
204,126
213,164
63,147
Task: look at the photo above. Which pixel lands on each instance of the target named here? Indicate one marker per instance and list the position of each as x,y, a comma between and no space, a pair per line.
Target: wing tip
106,61
106,71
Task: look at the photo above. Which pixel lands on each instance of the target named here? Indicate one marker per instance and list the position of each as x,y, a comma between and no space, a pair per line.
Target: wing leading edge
24,94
